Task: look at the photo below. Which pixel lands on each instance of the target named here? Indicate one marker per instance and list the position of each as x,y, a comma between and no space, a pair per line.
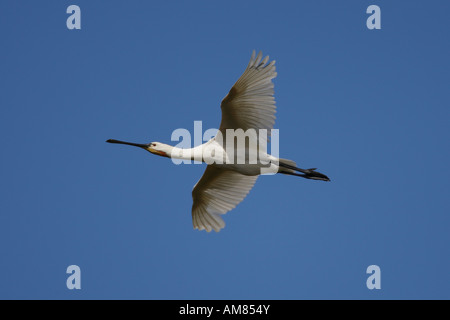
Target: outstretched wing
217,192
250,103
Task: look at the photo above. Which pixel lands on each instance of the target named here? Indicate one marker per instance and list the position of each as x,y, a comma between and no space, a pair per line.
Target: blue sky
367,107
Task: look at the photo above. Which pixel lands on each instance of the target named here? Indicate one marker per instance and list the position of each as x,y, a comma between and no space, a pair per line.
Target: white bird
249,105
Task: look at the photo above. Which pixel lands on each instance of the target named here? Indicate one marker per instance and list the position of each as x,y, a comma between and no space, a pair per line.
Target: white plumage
249,106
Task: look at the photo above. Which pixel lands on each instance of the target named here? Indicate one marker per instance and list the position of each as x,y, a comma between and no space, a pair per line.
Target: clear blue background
370,108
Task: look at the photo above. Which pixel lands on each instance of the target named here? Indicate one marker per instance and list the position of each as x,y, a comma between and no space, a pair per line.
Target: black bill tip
140,145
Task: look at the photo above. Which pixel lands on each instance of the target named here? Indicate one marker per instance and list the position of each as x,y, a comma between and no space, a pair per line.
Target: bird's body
214,153
238,153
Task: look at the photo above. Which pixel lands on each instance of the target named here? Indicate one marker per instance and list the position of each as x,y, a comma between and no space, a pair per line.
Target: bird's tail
290,167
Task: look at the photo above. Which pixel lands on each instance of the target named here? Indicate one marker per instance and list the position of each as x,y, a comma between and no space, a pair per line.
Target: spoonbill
249,105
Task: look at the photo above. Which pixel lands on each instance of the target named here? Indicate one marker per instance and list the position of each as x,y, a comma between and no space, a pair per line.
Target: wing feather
250,103
217,192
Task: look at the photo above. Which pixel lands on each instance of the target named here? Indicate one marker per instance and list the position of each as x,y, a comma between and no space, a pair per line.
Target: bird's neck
195,153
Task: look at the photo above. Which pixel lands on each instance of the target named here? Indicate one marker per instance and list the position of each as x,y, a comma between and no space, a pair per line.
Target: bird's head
157,148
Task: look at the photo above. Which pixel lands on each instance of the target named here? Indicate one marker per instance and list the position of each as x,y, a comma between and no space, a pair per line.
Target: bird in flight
249,109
